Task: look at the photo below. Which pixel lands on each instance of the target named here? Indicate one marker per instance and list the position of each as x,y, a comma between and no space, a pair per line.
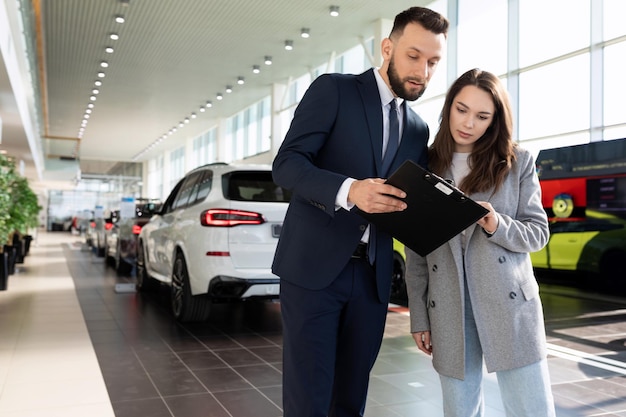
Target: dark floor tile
176,383
238,357
201,360
221,379
246,403
130,386
154,407
270,354
260,375
199,405
215,342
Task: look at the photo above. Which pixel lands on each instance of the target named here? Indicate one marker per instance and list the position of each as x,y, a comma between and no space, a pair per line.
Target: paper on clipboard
436,211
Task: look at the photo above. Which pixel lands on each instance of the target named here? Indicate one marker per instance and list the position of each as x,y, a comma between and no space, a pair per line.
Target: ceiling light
108,50
181,124
119,18
101,74
86,116
92,98
88,111
305,33
202,109
219,96
209,104
193,115
334,11
97,83
114,36
268,60
95,91
288,45
256,69
186,119
229,89
104,64
90,105
240,80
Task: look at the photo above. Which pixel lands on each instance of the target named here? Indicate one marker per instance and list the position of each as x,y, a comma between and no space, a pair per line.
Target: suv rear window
253,186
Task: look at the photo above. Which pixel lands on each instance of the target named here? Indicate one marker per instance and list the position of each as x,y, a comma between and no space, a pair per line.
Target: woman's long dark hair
492,154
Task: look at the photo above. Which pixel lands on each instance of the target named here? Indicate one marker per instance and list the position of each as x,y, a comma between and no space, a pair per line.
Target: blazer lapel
373,114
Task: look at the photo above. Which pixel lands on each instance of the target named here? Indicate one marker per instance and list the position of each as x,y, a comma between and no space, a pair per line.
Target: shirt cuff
341,201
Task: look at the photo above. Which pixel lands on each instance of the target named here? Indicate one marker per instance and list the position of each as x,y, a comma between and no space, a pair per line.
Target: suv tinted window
253,186
189,188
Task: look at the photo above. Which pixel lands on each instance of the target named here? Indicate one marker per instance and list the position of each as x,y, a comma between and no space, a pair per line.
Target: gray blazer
500,280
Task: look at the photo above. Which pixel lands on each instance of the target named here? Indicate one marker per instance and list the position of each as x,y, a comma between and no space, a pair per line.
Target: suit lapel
373,114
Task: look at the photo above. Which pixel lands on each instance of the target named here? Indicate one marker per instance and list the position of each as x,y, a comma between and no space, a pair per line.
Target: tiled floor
73,343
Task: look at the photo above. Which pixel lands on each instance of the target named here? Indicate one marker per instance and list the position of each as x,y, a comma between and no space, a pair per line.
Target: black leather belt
360,252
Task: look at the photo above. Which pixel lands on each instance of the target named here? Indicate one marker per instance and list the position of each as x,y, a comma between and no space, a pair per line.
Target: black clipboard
436,210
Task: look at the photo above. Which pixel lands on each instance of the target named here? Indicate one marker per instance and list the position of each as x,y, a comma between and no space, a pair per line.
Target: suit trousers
331,338
525,391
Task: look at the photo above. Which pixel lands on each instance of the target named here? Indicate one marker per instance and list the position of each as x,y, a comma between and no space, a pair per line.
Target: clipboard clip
446,186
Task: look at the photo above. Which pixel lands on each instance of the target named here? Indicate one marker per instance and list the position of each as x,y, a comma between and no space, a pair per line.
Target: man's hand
372,195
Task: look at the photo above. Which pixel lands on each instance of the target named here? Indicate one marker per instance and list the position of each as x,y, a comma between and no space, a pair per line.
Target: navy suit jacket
336,133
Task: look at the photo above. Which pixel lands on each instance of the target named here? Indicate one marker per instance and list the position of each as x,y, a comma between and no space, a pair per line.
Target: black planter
11,253
4,271
27,240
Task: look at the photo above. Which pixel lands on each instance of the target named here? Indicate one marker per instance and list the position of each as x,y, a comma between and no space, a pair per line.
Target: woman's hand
489,222
422,340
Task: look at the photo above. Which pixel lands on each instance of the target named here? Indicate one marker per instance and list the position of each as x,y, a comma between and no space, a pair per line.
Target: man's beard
397,84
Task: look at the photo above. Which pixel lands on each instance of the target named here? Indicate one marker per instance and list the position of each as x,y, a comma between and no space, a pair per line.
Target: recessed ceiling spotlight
86,116
101,74
288,45
181,124
202,109
119,18
90,105
193,115
256,69
334,11
97,83
93,98
104,64
95,91
209,104
108,50
186,119
241,80
268,60
219,96
229,89
114,36
305,33
88,111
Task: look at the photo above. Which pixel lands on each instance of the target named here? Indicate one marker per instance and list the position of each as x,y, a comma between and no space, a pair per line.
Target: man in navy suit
335,268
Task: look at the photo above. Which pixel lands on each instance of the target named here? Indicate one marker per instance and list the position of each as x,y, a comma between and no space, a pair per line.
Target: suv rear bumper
230,288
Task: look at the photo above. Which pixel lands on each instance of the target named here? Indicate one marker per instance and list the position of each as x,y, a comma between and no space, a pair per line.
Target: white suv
214,239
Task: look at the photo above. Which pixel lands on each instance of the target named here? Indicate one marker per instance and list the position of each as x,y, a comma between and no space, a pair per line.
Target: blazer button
512,295
432,303
502,259
362,228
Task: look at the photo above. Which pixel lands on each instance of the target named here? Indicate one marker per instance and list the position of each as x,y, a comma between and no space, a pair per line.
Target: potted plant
19,209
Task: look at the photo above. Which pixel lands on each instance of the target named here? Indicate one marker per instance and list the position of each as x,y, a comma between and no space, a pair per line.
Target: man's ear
386,48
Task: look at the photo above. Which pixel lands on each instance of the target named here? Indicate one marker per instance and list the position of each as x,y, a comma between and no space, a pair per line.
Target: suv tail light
136,229
108,226
228,218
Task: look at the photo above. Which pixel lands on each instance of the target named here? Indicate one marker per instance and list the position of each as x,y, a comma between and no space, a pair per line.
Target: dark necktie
390,152
394,137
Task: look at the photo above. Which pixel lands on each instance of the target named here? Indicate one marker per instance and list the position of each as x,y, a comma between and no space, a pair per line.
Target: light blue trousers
525,391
